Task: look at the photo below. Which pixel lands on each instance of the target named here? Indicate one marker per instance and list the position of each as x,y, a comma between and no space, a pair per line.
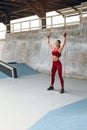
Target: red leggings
56,65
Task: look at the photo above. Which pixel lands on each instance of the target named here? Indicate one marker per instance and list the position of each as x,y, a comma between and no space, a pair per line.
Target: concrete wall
2,44
31,48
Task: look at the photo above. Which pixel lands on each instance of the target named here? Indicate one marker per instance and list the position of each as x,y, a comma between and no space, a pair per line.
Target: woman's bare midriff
55,58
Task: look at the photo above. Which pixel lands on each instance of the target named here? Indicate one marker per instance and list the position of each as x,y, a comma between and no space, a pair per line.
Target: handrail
38,25
8,69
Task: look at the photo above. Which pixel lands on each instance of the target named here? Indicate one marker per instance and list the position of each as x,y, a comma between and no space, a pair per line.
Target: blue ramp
23,69
2,75
70,117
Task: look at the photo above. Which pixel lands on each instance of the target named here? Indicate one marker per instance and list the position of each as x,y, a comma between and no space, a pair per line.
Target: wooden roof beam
39,2
11,3
31,5
51,1
76,9
60,13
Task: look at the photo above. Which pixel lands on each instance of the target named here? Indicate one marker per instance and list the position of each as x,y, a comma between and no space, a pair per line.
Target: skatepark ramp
7,70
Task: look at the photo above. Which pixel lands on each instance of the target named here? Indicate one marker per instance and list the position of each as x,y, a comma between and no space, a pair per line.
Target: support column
43,14
8,29
43,21
81,21
64,21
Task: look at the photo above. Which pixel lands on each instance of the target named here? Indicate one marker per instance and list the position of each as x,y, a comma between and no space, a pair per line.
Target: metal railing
8,69
34,24
51,22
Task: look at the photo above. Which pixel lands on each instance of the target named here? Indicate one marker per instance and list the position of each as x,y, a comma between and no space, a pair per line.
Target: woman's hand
48,35
64,34
64,42
49,44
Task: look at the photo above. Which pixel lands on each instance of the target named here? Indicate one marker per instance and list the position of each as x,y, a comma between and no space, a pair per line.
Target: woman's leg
59,68
53,71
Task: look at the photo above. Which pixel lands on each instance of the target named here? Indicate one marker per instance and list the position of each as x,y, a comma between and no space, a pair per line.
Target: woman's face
57,44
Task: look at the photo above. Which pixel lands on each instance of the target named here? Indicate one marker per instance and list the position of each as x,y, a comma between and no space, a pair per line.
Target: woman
56,64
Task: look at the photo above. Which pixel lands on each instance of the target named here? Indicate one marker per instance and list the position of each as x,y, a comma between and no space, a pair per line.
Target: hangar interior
25,100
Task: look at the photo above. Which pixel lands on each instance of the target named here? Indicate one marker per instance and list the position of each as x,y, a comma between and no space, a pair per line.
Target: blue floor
22,70
70,117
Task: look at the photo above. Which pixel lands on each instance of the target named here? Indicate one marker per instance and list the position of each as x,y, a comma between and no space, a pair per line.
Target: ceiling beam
2,12
41,13
4,7
65,4
26,8
43,8
51,1
61,1
7,3
32,6
60,13
39,2
76,9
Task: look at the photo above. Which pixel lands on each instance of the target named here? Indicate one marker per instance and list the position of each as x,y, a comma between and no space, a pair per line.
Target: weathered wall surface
2,43
31,48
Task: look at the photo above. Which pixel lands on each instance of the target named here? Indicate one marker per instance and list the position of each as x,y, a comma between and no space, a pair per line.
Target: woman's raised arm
64,42
49,44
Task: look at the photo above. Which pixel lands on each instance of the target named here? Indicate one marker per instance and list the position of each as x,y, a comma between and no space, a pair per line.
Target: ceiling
14,9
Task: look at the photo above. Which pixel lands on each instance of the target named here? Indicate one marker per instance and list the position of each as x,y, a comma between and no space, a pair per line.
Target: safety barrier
8,69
